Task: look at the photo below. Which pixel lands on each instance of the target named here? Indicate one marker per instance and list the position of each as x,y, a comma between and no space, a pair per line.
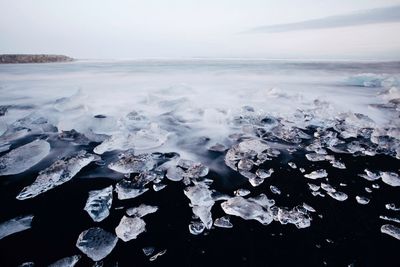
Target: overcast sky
295,29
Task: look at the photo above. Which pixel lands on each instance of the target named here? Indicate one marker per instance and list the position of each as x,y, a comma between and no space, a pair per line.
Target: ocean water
337,112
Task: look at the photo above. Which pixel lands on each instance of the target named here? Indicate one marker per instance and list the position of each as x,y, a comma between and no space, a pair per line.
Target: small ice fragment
390,178
292,165
147,251
61,171
369,175
308,207
27,264
297,216
202,201
99,203
246,149
135,187
141,210
327,187
317,174
130,163
245,164
96,243
217,148
129,228
175,174
255,181
275,189
368,190
387,218
263,174
242,192
248,209
338,164
159,254
15,225
158,187
302,170
66,262
391,230
340,196
313,187
315,157
362,200
392,206
223,222
196,228
375,186
24,157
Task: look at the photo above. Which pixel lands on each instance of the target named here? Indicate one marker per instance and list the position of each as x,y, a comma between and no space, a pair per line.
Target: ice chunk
340,196
248,209
127,189
315,157
24,157
275,189
387,218
130,227
159,254
242,192
61,171
99,203
196,228
217,148
392,206
313,187
263,174
338,164
297,216
202,201
390,178
248,149
148,138
147,251
391,230
66,262
15,225
129,163
141,210
158,187
96,243
369,175
362,200
197,170
317,174
292,165
175,174
223,222
308,207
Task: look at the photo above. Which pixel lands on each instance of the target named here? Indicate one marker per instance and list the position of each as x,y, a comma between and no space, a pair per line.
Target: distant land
27,58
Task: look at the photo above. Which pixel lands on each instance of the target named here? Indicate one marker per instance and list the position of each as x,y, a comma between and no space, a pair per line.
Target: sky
127,29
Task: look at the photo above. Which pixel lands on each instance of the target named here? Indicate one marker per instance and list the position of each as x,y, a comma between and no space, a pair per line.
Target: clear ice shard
96,243
249,209
130,227
128,162
141,210
147,251
58,173
15,225
391,230
223,222
202,201
317,174
159,254
390,178
24,157
99,203
148,138
242,192
66,262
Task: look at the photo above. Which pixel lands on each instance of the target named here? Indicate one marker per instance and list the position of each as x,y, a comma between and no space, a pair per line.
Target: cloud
370,16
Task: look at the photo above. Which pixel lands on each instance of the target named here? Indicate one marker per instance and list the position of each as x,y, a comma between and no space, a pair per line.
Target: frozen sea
226,162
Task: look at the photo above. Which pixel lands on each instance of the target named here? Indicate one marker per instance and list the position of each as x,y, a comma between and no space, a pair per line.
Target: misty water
200,162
